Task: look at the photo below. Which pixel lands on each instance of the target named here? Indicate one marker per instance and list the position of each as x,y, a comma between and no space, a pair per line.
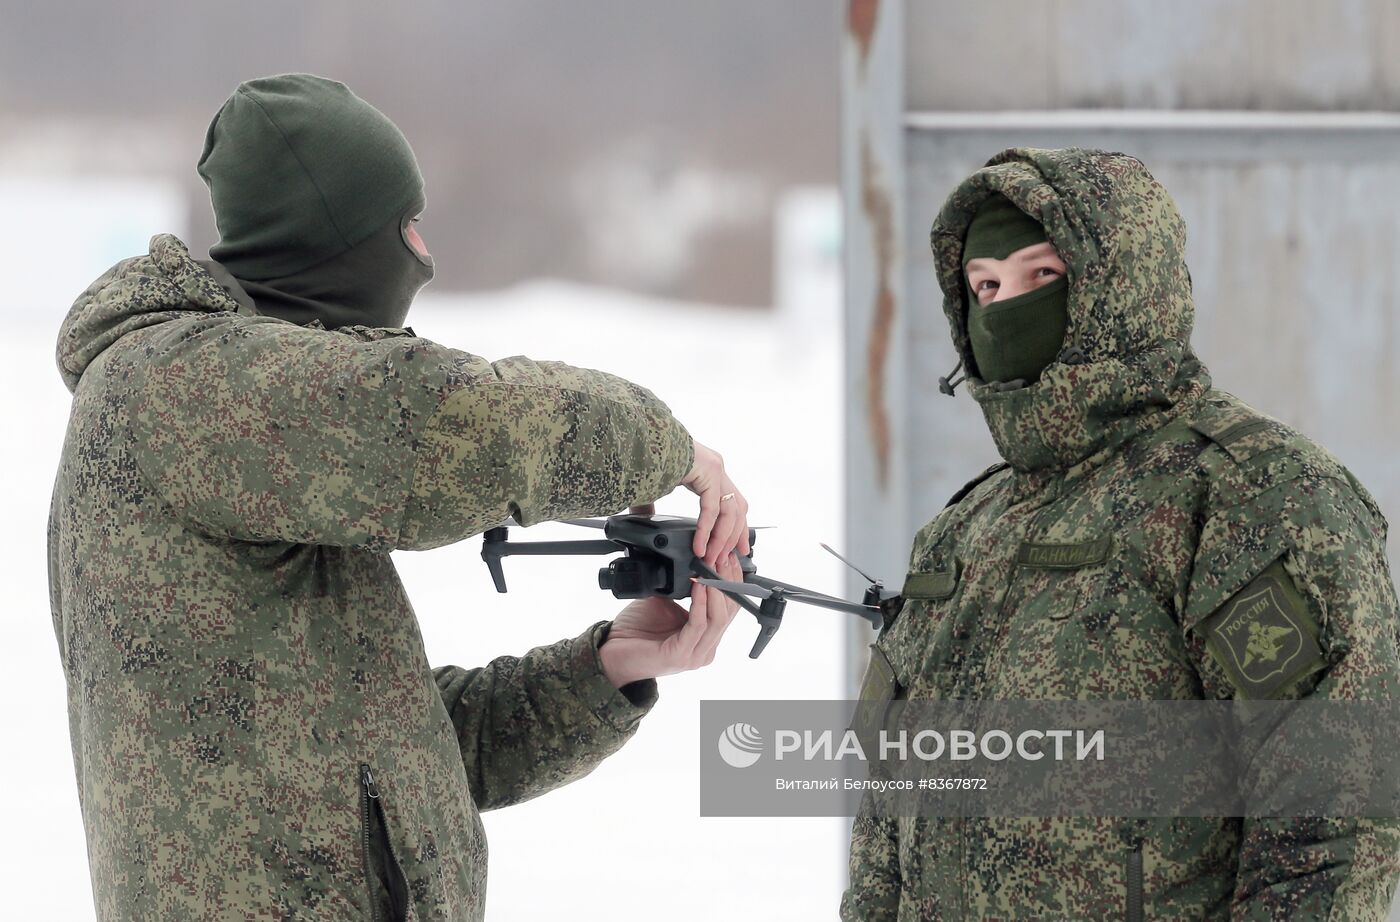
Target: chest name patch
1263,636
1064,556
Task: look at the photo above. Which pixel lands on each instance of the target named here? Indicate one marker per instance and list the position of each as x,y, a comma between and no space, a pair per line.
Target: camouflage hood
168,283
1127,364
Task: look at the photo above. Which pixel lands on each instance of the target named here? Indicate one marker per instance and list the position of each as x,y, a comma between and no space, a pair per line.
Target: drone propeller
870,579
876,595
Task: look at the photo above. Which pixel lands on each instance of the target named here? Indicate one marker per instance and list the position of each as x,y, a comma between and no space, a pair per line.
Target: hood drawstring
947,386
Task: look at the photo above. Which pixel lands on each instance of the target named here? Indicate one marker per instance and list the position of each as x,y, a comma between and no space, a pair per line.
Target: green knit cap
299,170
999,229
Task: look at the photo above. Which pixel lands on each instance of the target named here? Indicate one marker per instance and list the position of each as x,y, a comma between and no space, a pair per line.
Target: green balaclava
313,191
1015,338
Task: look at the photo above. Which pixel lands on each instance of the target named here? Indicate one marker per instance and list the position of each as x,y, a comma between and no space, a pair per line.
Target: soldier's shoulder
1239,431
983,482
1246,452
959,506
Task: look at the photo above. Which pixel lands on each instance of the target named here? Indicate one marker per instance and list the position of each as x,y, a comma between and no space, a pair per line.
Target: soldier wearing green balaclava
313,191
1017,337
256,728
1141,532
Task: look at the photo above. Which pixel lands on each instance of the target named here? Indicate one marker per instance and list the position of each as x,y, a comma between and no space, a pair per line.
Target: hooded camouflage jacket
1136,508
256,731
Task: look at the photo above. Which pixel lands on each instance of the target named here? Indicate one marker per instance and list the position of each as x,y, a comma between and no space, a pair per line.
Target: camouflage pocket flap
931,584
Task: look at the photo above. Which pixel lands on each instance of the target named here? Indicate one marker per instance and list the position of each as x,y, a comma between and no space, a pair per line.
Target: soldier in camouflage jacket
1107,558
256,731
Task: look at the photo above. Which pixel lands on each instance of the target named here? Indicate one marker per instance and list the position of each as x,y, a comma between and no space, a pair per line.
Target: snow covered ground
627,842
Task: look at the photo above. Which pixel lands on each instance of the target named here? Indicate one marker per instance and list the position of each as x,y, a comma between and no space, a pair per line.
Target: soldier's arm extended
266,431
531,723
1304,564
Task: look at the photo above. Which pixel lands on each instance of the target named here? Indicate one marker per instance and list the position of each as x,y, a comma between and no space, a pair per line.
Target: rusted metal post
872,167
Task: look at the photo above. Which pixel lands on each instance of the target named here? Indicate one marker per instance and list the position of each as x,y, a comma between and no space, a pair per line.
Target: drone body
658,561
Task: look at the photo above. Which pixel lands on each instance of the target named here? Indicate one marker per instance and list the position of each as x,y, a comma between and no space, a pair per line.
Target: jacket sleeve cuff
619,708
678,448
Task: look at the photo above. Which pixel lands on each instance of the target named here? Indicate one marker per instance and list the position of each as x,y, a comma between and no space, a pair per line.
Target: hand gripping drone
657,561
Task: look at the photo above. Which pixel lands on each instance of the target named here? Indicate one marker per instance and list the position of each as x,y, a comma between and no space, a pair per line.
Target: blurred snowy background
643,189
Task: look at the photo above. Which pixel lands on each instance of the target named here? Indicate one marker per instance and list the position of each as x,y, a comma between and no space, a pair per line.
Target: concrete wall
1183,54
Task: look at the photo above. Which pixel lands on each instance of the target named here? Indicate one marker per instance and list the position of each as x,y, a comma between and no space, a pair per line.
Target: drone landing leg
770,618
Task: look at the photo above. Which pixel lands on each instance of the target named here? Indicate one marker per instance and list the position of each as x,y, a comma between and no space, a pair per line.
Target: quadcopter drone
657,561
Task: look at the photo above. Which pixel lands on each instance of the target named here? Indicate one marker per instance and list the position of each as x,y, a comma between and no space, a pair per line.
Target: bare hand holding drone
722,525
654,636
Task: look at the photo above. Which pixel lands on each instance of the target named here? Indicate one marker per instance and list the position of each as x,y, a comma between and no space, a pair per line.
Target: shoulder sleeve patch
1263,636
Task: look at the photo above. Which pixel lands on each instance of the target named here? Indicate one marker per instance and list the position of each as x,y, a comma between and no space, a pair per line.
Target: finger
730,568
643,509
697,620
720,607
727,605
722,612
741,527
719,536
725,536
738,511
719,622
705,522
714,548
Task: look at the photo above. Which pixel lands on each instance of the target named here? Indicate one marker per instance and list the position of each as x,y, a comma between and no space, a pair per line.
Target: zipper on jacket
1135,883
397,886
368,791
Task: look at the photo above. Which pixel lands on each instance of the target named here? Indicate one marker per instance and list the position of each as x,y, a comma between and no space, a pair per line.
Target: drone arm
769,583
555,548
820,599
494,546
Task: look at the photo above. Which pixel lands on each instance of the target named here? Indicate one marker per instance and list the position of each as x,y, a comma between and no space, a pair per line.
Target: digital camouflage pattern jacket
1105,560
256,731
